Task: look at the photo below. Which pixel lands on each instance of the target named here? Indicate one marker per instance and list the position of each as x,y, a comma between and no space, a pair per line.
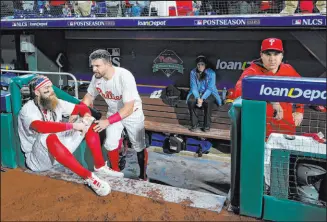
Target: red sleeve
299,108
81,109
50,127
290,71
238,86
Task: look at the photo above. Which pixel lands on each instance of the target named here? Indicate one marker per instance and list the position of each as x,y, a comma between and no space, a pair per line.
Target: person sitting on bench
203,93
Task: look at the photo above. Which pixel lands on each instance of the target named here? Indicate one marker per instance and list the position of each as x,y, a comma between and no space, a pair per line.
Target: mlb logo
198,22
296,22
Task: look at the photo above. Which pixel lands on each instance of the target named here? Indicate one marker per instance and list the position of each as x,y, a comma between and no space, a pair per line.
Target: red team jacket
285,125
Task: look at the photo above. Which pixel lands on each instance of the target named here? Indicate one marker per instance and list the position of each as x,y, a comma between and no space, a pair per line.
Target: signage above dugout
294,21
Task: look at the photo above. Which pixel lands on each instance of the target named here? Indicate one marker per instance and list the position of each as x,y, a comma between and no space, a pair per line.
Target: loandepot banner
285,89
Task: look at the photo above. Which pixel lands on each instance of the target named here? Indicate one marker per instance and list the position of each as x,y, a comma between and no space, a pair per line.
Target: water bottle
224,93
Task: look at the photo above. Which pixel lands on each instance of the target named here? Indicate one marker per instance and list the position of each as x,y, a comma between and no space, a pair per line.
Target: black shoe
206,129
193,128
142,178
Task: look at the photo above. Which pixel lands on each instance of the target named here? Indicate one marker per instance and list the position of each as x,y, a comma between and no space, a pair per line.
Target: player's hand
200,101
73,118
87,115
80,127
101,125
279,111
297,117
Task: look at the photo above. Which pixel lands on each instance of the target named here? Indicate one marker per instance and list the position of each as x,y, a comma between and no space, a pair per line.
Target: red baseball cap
272,44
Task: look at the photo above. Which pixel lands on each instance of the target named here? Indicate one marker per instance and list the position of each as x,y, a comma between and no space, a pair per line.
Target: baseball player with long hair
45,139
280,115
117,87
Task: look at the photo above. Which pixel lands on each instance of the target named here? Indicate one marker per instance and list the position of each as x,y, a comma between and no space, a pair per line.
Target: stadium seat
184,8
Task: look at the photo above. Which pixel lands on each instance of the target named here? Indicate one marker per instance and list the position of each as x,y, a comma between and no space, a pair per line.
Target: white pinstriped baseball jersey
121,88
117,91
33,143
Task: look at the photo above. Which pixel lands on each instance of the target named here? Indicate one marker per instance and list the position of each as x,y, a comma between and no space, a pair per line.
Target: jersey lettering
109,95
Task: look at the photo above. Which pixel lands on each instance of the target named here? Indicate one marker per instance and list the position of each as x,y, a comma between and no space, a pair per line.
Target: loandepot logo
293,92
151,23
225,65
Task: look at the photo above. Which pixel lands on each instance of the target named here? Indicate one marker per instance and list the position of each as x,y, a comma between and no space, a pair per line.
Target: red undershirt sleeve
50,127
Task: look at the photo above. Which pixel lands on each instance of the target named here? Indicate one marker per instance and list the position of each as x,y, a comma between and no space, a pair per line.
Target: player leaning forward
118,88
45,139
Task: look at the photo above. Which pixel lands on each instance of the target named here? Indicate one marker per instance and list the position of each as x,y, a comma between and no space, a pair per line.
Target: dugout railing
276,160
47,73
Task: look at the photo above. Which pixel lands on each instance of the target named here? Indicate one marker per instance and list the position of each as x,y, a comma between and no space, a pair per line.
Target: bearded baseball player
117,87
46,140
280,115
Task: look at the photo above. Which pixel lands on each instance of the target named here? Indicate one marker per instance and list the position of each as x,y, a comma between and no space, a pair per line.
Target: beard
98,75
49,103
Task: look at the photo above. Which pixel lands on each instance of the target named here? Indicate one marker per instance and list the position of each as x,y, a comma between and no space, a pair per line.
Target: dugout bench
160,117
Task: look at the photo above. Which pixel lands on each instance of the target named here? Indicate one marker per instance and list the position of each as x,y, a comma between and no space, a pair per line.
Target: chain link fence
61,9
295,165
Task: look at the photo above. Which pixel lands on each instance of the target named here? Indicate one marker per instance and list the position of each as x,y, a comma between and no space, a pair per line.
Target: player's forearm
87,100
124,112
50,127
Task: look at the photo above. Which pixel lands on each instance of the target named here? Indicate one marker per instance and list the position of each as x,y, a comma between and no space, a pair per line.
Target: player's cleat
99,186
107,171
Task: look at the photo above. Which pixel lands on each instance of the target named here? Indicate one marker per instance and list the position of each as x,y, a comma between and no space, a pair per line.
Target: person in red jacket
280,115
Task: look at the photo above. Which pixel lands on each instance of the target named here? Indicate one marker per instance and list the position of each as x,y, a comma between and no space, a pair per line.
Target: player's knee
53,144
92,126
138,147
91,130
110,146
51,139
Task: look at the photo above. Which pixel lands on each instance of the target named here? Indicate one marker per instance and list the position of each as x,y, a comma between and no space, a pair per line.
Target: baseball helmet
308,194
309,174
309,178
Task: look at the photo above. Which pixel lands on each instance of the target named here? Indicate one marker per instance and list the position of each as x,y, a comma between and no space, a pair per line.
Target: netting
59,9
295,165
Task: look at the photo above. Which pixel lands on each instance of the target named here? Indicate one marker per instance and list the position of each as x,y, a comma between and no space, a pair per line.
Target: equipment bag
198,146
158,139
176,144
